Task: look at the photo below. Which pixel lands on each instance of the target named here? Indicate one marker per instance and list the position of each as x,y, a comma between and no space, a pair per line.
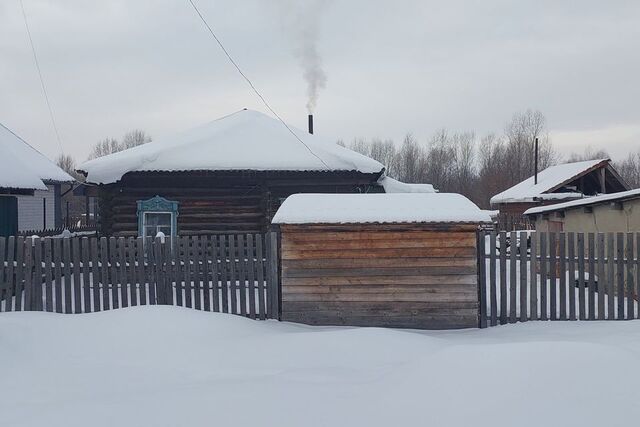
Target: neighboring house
30,187
617,212
227,176
560,183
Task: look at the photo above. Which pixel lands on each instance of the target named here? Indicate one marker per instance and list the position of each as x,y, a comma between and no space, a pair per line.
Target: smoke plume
302,23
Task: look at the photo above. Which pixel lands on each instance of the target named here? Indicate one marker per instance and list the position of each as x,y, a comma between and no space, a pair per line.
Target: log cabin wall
408,276
218,202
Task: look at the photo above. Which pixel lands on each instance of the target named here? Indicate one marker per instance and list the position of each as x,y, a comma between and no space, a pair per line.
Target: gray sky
393,67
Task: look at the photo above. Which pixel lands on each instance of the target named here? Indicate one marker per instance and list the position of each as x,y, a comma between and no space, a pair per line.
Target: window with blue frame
157,215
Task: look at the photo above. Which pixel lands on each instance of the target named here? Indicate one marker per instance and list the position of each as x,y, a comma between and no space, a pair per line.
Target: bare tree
111,145
411,161
105,147
134,138
588,154
521,133
629,169
385,152
68,164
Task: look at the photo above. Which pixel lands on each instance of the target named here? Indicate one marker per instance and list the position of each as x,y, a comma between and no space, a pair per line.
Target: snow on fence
557,276
235,274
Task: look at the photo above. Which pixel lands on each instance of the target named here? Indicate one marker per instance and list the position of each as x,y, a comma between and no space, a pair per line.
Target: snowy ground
169,366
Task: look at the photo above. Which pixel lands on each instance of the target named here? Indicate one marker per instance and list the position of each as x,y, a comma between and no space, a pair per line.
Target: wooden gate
235,274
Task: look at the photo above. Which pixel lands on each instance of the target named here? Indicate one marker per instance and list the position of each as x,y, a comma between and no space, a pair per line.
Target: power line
44,88
235,64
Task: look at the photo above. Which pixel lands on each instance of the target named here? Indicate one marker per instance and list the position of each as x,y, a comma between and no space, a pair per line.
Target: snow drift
167,366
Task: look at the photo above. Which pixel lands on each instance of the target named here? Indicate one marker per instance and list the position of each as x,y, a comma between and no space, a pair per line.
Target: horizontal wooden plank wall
223,202
222,273
558,276
380,275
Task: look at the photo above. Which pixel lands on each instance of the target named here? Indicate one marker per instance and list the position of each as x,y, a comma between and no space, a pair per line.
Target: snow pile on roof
394,186
548,179
245,140
24,167
603,198
117,368
378,208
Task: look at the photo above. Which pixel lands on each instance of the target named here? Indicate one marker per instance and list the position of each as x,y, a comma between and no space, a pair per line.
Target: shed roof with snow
245,140
587,201
562,182
379,208
23,167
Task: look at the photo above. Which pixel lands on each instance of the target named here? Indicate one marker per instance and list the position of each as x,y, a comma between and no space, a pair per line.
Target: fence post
482,286
273,285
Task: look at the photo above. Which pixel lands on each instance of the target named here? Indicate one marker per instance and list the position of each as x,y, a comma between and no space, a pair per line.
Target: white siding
30,210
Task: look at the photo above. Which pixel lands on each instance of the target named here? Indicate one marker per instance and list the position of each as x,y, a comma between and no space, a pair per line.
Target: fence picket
187,272
66,255
140,273
95,275
113,273
77,291
543,277
10,274
571,282
104,273
251,284
620,274
28,274
3,297
602,279
224,276
242,274
48,277
523,275
592,273
493,292
123,279
215,275
503,277
273,282
133,271
37,275
533,278
562,257
610,277
57,285
206,273
151,271
233,285
86,275
581,278
630,285
637,267
19,288
260,276
553,313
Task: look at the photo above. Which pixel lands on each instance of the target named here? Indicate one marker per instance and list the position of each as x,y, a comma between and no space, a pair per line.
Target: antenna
535,163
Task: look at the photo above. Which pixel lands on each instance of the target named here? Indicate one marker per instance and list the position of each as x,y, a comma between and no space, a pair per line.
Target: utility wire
235,64
44,88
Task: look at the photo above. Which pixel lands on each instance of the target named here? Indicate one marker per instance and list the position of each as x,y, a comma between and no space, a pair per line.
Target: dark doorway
8,216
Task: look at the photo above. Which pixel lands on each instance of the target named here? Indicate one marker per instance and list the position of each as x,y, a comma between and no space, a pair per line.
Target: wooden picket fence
557,276
235,274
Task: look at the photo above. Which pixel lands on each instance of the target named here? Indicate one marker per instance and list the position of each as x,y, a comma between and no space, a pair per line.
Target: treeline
480,167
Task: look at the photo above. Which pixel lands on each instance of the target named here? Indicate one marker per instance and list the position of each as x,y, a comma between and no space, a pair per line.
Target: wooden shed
398,260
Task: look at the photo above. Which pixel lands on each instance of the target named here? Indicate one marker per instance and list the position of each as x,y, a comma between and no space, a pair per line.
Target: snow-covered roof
245,140
394,186
24,167
548,180
379,208
594,200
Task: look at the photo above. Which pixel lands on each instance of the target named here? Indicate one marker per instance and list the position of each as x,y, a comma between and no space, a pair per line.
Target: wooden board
401,276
